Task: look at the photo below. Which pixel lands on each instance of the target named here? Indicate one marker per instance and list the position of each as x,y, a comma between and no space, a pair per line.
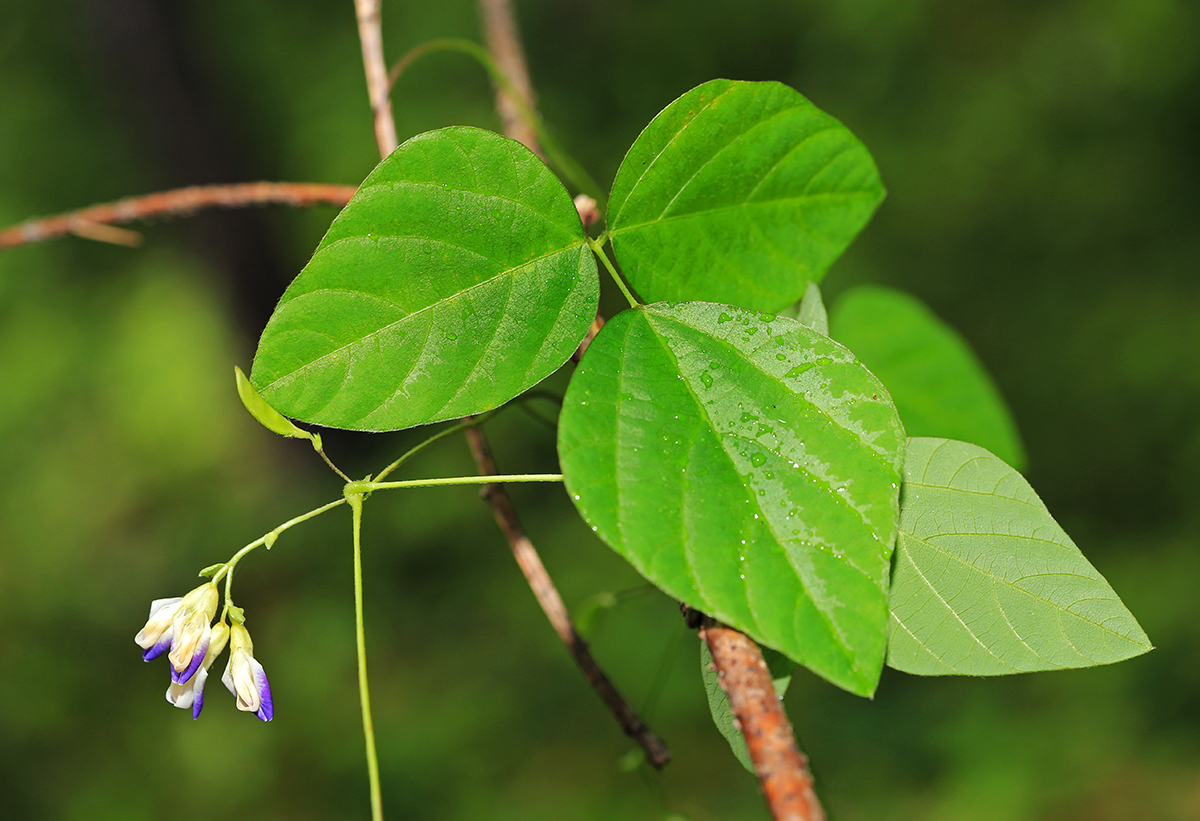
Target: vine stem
96,222
371,37
367,487
267,539
541,141
781,768
364,693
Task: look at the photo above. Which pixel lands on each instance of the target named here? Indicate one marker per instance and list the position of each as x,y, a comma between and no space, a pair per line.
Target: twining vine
806,483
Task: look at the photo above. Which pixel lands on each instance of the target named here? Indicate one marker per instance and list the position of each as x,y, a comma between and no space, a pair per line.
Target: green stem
463,425
355,499
570,169
367,487
267,539
332,466
598,249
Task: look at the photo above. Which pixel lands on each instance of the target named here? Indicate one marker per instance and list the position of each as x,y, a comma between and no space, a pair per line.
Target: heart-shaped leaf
456,278
937,382
749,467
986,582
739,192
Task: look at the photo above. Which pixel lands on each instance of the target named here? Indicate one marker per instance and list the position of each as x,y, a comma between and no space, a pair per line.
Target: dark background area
1041,162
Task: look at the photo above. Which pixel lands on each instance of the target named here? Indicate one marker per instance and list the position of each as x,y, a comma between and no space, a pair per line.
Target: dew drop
706,379
724,317
758,459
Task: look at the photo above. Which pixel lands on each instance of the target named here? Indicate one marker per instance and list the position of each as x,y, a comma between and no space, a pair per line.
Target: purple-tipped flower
191,692
155,637
185,626
245,677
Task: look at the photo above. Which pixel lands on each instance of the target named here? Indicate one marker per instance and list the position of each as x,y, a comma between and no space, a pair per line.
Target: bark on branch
92,222
782,769
502,508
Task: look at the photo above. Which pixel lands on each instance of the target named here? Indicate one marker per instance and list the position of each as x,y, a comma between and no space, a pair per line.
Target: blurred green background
1041,161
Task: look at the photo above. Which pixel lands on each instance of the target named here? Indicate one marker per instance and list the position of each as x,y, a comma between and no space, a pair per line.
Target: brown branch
500,33
552,604
782,769
502,508
88,222
371,37
597,324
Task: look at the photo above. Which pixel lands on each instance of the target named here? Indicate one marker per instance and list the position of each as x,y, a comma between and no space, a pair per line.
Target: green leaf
263,413
810,311
456,278
718,703
749,467
739,192
986,582
937,382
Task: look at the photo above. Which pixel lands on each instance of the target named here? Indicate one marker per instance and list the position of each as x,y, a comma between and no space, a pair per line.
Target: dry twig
550,600
500,32
371,36
96,222
502,508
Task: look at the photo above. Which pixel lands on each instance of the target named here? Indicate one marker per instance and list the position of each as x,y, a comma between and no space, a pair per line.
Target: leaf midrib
457,294
833,628
1013,586
734,206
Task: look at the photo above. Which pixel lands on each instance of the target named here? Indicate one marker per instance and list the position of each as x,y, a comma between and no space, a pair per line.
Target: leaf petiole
597,247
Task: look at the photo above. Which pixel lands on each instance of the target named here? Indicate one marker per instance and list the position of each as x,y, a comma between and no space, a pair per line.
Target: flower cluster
183,628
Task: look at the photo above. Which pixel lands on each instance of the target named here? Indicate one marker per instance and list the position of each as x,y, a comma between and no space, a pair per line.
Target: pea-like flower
192,631
155,637
245,677
191,692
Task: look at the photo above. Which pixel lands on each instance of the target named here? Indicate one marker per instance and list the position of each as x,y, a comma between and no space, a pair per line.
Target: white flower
155,637
245,677
191,692
191,631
